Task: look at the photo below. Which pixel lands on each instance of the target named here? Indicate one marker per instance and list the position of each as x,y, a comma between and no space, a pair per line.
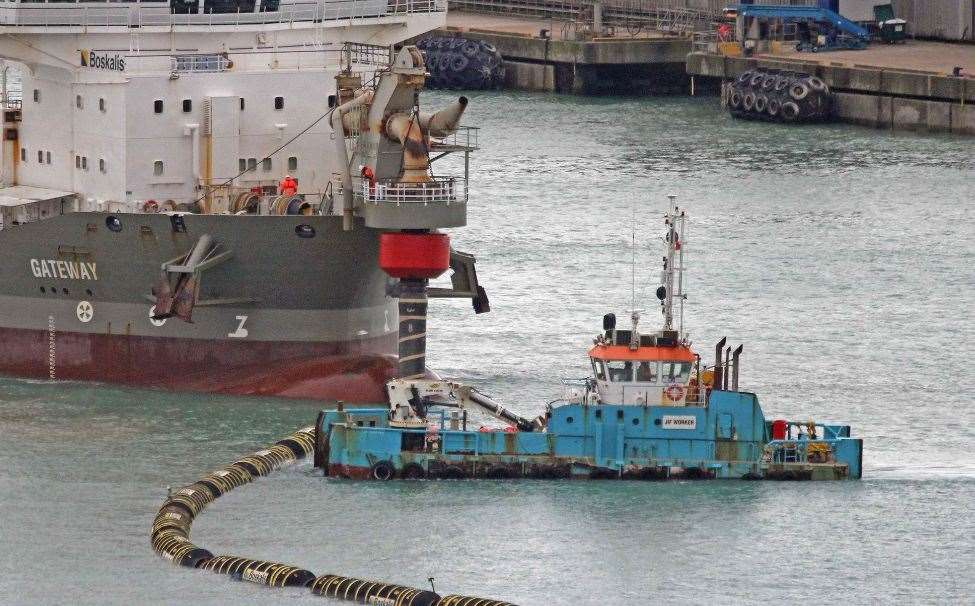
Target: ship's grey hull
282,315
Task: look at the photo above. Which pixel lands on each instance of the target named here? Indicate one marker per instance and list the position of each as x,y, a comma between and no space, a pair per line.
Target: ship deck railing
442,191
137,14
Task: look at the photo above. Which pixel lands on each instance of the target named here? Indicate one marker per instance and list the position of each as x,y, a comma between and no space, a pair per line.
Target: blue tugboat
650,411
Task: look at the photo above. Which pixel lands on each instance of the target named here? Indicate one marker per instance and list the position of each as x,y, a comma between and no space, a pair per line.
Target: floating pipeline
170,537
775,95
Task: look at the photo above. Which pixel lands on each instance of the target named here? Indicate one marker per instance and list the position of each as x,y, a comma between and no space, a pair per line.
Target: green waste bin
892,30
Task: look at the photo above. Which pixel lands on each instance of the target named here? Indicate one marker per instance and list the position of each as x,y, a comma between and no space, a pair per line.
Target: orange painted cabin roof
623,352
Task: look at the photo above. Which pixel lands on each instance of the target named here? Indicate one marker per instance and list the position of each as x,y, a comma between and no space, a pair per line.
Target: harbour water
841,257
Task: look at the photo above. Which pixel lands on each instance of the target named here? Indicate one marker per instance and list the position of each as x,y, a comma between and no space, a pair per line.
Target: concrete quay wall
870,96
600,66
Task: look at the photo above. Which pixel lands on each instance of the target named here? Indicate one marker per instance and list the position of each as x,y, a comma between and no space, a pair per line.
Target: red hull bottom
354,371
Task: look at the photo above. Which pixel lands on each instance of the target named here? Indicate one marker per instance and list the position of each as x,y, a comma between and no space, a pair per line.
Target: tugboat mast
673,270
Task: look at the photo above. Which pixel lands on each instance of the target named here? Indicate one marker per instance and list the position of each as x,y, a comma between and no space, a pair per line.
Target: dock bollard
371,592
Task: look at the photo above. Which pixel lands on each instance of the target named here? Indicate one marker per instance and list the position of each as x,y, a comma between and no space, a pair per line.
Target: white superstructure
127,102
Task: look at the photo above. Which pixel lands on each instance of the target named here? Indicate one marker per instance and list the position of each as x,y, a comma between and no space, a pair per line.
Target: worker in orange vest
288,186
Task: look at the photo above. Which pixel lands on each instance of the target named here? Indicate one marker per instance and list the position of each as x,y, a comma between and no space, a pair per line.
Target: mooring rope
170,537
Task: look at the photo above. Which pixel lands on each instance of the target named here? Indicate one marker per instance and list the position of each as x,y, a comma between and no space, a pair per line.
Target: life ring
150,206
383,470
799,91
674,392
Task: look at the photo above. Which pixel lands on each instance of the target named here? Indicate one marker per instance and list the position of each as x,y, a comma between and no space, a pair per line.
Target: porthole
656,421
112,222
636,421
305,231
568,419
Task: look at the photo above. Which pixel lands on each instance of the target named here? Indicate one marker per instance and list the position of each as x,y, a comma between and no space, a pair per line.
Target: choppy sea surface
843,258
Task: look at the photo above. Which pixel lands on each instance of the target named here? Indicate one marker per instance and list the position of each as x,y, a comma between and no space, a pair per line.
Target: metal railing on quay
442,191
91,14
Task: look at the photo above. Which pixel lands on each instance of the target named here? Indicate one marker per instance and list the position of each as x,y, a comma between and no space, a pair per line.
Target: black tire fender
789,111
382,471
413,471
799,91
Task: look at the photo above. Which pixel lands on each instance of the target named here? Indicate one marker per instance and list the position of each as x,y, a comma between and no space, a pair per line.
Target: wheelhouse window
101,165
620,371
251,163
47,157
675,372
40,157
599,370
647,372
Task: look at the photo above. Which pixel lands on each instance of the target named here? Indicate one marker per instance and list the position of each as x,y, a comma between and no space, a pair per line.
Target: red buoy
417,256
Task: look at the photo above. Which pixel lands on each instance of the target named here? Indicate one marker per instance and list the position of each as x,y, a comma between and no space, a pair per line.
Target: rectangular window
266,165
84,162
187,106
23,154
279,103
241,165
37,95
620,371
77,161
40,157
101,165
251,163
101,104
78,102
48,157
157,168
157,106
293,163
241,104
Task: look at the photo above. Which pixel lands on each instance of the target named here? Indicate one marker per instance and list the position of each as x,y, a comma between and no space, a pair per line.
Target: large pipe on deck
718,370
445,121
501,412
338,128
416,154
734,364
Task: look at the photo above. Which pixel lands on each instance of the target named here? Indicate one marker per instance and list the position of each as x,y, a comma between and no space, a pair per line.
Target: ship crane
409,400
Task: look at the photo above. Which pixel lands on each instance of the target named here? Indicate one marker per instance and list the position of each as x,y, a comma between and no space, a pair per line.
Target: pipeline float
170,537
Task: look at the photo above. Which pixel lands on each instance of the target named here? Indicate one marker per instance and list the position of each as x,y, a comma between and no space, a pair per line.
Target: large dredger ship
143,236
